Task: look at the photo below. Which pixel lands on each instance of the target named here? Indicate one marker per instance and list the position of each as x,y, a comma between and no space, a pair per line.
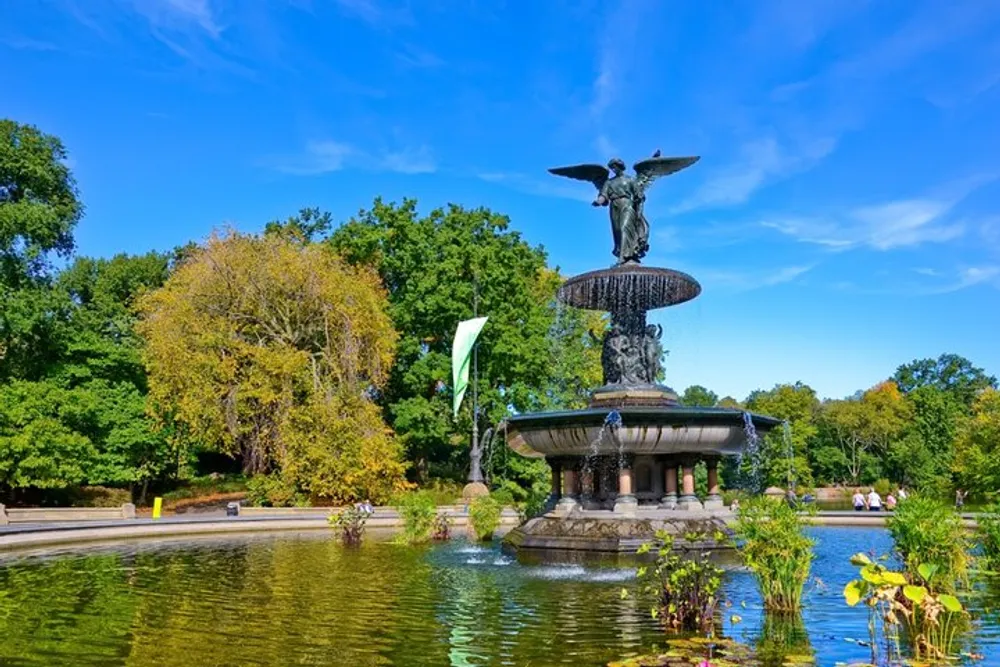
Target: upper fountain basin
629,288
644,430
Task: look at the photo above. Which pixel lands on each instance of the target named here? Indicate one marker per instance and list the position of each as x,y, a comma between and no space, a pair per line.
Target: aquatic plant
988,536
927,531
684,582
351,524
418,512
903,606
442,528
775,548
484,517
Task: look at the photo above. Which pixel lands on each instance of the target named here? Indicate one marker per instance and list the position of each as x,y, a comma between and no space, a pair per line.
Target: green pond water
303,599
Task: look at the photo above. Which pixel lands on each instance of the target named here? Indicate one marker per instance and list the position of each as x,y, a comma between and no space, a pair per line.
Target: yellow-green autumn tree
271,349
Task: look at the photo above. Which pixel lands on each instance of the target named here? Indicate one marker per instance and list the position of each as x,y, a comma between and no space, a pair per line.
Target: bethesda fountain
625,467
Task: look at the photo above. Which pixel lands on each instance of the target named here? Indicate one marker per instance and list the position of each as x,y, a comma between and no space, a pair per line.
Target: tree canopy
270,350
448,266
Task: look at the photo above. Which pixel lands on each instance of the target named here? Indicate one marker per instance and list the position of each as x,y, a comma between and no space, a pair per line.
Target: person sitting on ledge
874,501
859,501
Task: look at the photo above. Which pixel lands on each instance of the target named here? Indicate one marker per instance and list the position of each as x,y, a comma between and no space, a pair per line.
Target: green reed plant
775,548
927,531
351,524
684,582
418,512
484,517
988,536
905,606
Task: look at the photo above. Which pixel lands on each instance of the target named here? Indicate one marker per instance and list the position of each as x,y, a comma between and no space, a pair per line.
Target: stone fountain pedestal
611,532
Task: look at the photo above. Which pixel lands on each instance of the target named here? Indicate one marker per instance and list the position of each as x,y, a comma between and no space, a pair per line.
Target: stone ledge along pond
304,599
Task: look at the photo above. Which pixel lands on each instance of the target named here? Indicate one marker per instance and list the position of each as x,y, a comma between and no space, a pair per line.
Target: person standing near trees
960,498
874,501
859,501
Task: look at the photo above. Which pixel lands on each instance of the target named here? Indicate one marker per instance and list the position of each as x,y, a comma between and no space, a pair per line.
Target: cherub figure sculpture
624,195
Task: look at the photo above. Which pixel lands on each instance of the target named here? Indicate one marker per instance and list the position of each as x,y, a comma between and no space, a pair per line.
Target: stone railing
59,514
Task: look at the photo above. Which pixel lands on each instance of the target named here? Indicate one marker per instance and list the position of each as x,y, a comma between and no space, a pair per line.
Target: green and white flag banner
461,355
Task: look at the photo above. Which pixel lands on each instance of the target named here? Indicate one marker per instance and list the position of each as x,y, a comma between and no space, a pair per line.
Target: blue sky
843,218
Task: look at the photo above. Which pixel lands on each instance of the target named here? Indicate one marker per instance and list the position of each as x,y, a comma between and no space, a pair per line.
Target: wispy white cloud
179,14
885,226
614,59
760,163
319,157
27,44
326,156
380,14
417,160
931,282
539,187
744,281
416,57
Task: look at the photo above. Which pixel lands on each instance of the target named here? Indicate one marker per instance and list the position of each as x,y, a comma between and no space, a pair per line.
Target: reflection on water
296,599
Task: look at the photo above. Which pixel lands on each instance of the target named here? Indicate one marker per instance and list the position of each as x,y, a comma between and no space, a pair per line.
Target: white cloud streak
327,156
761,162
886,226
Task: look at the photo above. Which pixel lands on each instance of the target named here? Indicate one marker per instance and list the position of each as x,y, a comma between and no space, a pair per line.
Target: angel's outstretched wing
649,170
594,173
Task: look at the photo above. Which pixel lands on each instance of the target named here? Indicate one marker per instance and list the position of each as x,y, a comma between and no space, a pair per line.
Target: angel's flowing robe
628,224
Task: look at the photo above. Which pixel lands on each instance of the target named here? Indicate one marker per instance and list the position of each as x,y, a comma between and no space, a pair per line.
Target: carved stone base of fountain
612,396
613,532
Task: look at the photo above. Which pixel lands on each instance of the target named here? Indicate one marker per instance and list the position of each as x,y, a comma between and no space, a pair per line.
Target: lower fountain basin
643,430
554,536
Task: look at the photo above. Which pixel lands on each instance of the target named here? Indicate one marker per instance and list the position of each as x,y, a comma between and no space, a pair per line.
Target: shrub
776,550
929,620
351,524
882,487
684,583
418,512
988,534
442,527
99,496
484,517
444,492
929,532
273,491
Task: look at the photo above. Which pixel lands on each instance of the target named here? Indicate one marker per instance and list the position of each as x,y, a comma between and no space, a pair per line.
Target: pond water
303,599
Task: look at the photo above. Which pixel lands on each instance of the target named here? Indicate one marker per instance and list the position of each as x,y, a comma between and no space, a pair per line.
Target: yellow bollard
157,506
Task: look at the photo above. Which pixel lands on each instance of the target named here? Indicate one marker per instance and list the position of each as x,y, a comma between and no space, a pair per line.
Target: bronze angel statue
624,195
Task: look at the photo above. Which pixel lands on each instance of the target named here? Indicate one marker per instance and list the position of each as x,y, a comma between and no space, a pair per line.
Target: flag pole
475,475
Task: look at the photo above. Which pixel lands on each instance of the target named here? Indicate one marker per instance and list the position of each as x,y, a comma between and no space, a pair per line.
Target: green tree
443,268
698,396
923,457
38,201
270,350
38,210
949,372
865,430
797,404
977,446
